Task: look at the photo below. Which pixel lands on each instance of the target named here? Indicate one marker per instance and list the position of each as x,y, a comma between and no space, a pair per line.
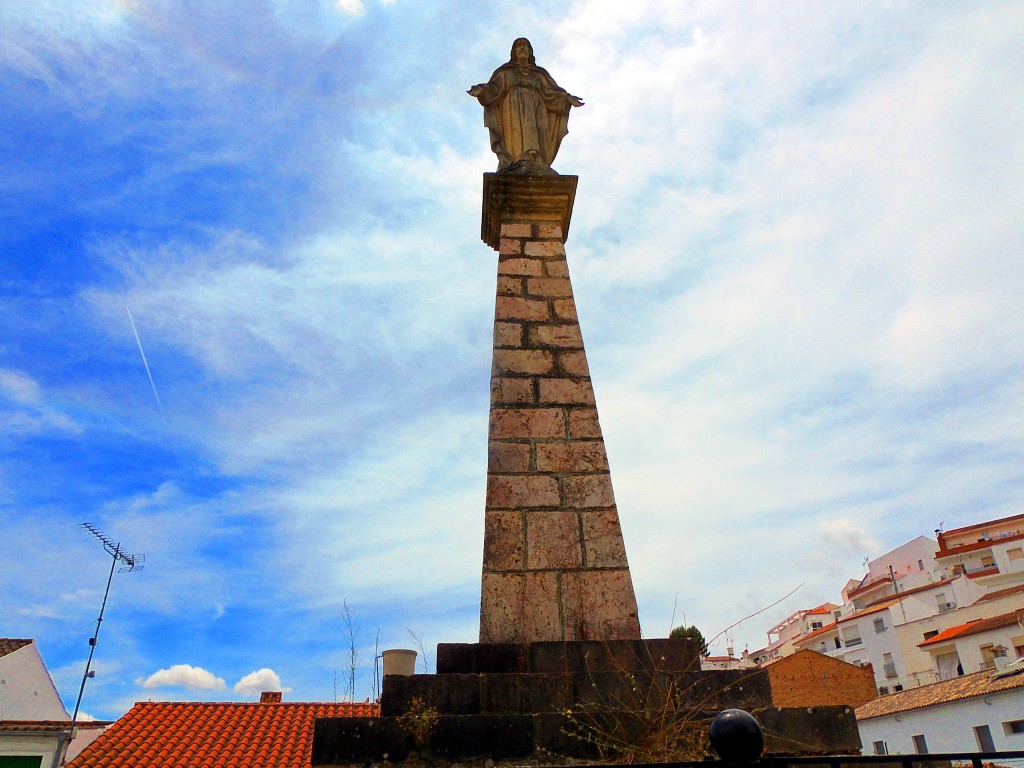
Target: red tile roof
1001,593
975,627
213,735
966,687
10,645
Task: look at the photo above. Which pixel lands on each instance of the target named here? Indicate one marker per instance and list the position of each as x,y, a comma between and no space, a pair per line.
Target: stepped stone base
510,700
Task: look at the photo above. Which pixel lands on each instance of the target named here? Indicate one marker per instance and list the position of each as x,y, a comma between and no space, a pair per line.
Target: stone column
554,562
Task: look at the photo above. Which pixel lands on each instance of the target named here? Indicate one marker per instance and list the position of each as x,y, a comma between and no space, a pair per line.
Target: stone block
552,540
550,248
566,391
512,423
481,658
550,229
565,309
500,737
710,692
503,541
506,458
525,693
577,456
529,361
516,491
501,607
516,229
510,285
511,391
345,740
555,734
810,731
510,246
529,267
556,268
457,694
540,616
508,335
583,423
567,336
573,363
602,535
599,604
548,286
583,491
519,308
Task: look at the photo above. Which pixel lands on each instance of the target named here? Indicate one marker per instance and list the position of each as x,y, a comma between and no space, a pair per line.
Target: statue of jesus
526,112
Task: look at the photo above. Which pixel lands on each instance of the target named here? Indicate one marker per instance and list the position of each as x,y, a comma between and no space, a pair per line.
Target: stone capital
535,199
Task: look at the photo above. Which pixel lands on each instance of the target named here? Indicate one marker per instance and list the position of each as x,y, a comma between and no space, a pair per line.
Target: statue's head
521,49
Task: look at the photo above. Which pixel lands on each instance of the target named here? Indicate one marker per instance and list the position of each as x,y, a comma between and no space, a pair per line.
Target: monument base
553,700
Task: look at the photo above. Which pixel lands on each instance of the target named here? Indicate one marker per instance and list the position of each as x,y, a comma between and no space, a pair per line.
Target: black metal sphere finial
736,736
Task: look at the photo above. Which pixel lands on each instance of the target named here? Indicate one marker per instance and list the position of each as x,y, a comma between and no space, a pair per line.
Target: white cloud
849,535
183,676
353,7
259,681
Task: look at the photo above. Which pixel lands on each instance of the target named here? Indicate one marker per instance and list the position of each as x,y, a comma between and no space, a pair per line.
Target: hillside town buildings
927,611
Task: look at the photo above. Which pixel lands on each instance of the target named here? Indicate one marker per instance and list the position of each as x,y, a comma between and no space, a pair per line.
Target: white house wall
26,690
947,727
919,664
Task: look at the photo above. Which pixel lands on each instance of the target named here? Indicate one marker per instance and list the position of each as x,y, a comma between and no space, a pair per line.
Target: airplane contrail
144,363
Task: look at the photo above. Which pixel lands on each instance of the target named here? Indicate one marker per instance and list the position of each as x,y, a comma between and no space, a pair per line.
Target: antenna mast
129,563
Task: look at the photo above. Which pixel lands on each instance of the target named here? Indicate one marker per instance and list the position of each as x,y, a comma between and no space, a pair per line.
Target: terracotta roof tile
975,627
10,645
966,687
1001,593
213,735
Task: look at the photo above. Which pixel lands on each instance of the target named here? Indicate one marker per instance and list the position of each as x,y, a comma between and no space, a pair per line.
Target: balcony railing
852,641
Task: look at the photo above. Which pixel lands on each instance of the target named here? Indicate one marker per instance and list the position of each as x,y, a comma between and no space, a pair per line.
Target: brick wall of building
811,679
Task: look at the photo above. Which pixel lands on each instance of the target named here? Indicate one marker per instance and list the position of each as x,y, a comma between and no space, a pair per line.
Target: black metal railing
929,760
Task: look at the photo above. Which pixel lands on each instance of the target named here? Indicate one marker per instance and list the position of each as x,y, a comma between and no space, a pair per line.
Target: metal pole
95,637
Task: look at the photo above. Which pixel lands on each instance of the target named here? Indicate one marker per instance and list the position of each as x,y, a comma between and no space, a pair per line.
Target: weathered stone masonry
554,562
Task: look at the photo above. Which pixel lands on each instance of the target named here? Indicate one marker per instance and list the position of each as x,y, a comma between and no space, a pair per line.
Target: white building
33,720
977,645
980,712
781,637
886,633
991,553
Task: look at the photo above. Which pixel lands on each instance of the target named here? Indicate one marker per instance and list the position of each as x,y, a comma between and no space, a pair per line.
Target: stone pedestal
554,565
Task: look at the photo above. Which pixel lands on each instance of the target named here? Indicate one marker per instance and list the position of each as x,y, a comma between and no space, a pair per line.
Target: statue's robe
526,112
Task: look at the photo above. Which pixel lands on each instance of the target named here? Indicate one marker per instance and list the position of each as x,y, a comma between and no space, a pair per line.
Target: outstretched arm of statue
476,90
576,101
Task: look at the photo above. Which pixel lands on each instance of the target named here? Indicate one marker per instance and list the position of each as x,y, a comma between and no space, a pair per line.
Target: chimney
270,697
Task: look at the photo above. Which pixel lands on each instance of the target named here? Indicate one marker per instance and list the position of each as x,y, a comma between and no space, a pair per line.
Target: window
987,561
882,690
879,625
878,747
816,625
984,738
1013,727
1017,553
888,666
930,634
851,636
1018,646
897,687
920,745
839,643
920,565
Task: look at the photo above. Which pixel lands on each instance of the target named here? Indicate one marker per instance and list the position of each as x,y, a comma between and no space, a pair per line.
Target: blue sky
797,256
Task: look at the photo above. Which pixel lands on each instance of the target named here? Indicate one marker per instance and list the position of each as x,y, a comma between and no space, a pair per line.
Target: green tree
694,634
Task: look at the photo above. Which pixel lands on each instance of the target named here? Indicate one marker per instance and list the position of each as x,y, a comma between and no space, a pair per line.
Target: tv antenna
128,563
